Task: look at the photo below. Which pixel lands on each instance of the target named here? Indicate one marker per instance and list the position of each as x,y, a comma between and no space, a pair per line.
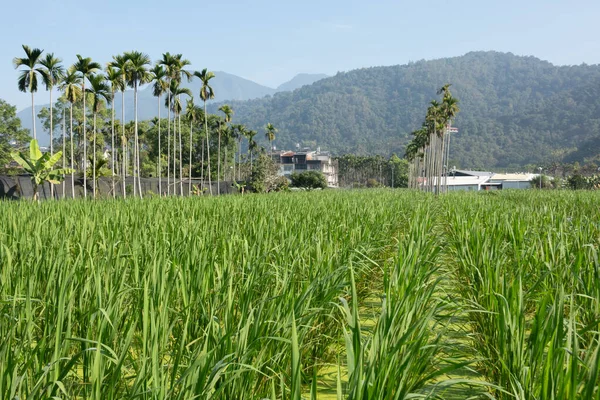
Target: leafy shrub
309,180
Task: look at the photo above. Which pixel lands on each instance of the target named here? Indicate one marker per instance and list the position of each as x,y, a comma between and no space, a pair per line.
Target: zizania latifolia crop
330,295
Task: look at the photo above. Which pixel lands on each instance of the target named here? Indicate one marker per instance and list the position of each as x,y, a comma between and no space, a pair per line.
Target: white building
482,180
307,160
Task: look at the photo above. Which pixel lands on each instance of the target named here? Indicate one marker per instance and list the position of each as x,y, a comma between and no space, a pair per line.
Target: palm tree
174,68
136,74
86,67
206,93
70,86
115,79
120,62
52,74
175,93
228,111
270,135
242,133
99,91
191,114
449,109
28,79
252,145
158,89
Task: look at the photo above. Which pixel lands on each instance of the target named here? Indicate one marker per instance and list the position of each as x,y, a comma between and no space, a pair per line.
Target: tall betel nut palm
115,80
206,93
86,67
100,92
28,79
70,85
136,75
120,62
228,111
52,74
270,135
159,87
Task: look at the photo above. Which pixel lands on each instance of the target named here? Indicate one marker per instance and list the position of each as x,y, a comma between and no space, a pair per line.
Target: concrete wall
516,185
463,187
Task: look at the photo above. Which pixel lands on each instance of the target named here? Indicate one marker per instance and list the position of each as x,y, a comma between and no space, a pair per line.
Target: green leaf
34,150
20,159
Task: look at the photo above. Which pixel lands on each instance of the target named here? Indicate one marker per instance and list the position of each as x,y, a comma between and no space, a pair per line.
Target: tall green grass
178,298
252,297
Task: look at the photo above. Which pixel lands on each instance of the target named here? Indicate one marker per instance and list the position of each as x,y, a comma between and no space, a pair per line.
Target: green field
376,294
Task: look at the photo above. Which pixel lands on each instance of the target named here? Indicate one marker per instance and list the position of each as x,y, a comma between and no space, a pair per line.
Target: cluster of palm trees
429,150
86,81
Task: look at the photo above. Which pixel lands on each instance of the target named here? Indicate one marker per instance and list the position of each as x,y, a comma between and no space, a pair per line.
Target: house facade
307,160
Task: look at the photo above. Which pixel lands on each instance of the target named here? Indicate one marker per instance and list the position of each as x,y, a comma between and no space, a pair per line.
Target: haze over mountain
227,87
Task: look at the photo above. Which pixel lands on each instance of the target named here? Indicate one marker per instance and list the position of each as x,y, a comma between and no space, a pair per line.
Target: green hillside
514,110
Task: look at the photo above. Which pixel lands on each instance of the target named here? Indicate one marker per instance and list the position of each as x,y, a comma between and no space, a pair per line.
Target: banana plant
40,166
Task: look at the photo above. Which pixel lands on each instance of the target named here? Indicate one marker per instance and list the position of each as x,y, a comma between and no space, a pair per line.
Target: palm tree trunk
84,144
51,141
225,166
159,152
240,159
202,166
180,156
219,163
64,150
448,155
123,143
174,153
169,142
72,154
190,160
233,176
137,142
112,143
33,116
94,164
207,148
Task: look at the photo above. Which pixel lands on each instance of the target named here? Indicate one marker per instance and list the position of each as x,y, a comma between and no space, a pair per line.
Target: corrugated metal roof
473,173
464,180
513,177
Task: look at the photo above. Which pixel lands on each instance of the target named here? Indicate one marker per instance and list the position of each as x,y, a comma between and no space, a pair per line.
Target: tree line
87,89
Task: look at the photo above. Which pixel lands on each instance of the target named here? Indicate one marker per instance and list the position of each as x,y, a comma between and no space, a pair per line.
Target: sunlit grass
261,296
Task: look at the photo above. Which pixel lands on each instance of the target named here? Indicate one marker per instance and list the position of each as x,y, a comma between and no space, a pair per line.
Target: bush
373,183
264,176
309,180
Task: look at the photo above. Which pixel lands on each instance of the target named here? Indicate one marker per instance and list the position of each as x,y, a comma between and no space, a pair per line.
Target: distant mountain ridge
227,87
514,110
299,81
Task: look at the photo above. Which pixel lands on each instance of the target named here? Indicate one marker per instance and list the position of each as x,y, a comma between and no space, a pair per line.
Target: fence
20,186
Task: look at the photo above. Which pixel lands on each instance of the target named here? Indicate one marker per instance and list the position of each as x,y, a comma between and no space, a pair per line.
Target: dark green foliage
264,175
356,171
515,110
309,180
578,181
547,183
10,130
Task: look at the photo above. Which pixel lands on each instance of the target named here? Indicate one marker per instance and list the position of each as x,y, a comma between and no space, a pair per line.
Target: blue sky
270,41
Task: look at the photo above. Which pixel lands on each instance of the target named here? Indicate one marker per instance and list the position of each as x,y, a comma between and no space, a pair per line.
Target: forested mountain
514,110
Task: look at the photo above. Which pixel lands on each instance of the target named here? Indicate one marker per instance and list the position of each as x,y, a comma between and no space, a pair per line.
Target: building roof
523,177
472,173
464,180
